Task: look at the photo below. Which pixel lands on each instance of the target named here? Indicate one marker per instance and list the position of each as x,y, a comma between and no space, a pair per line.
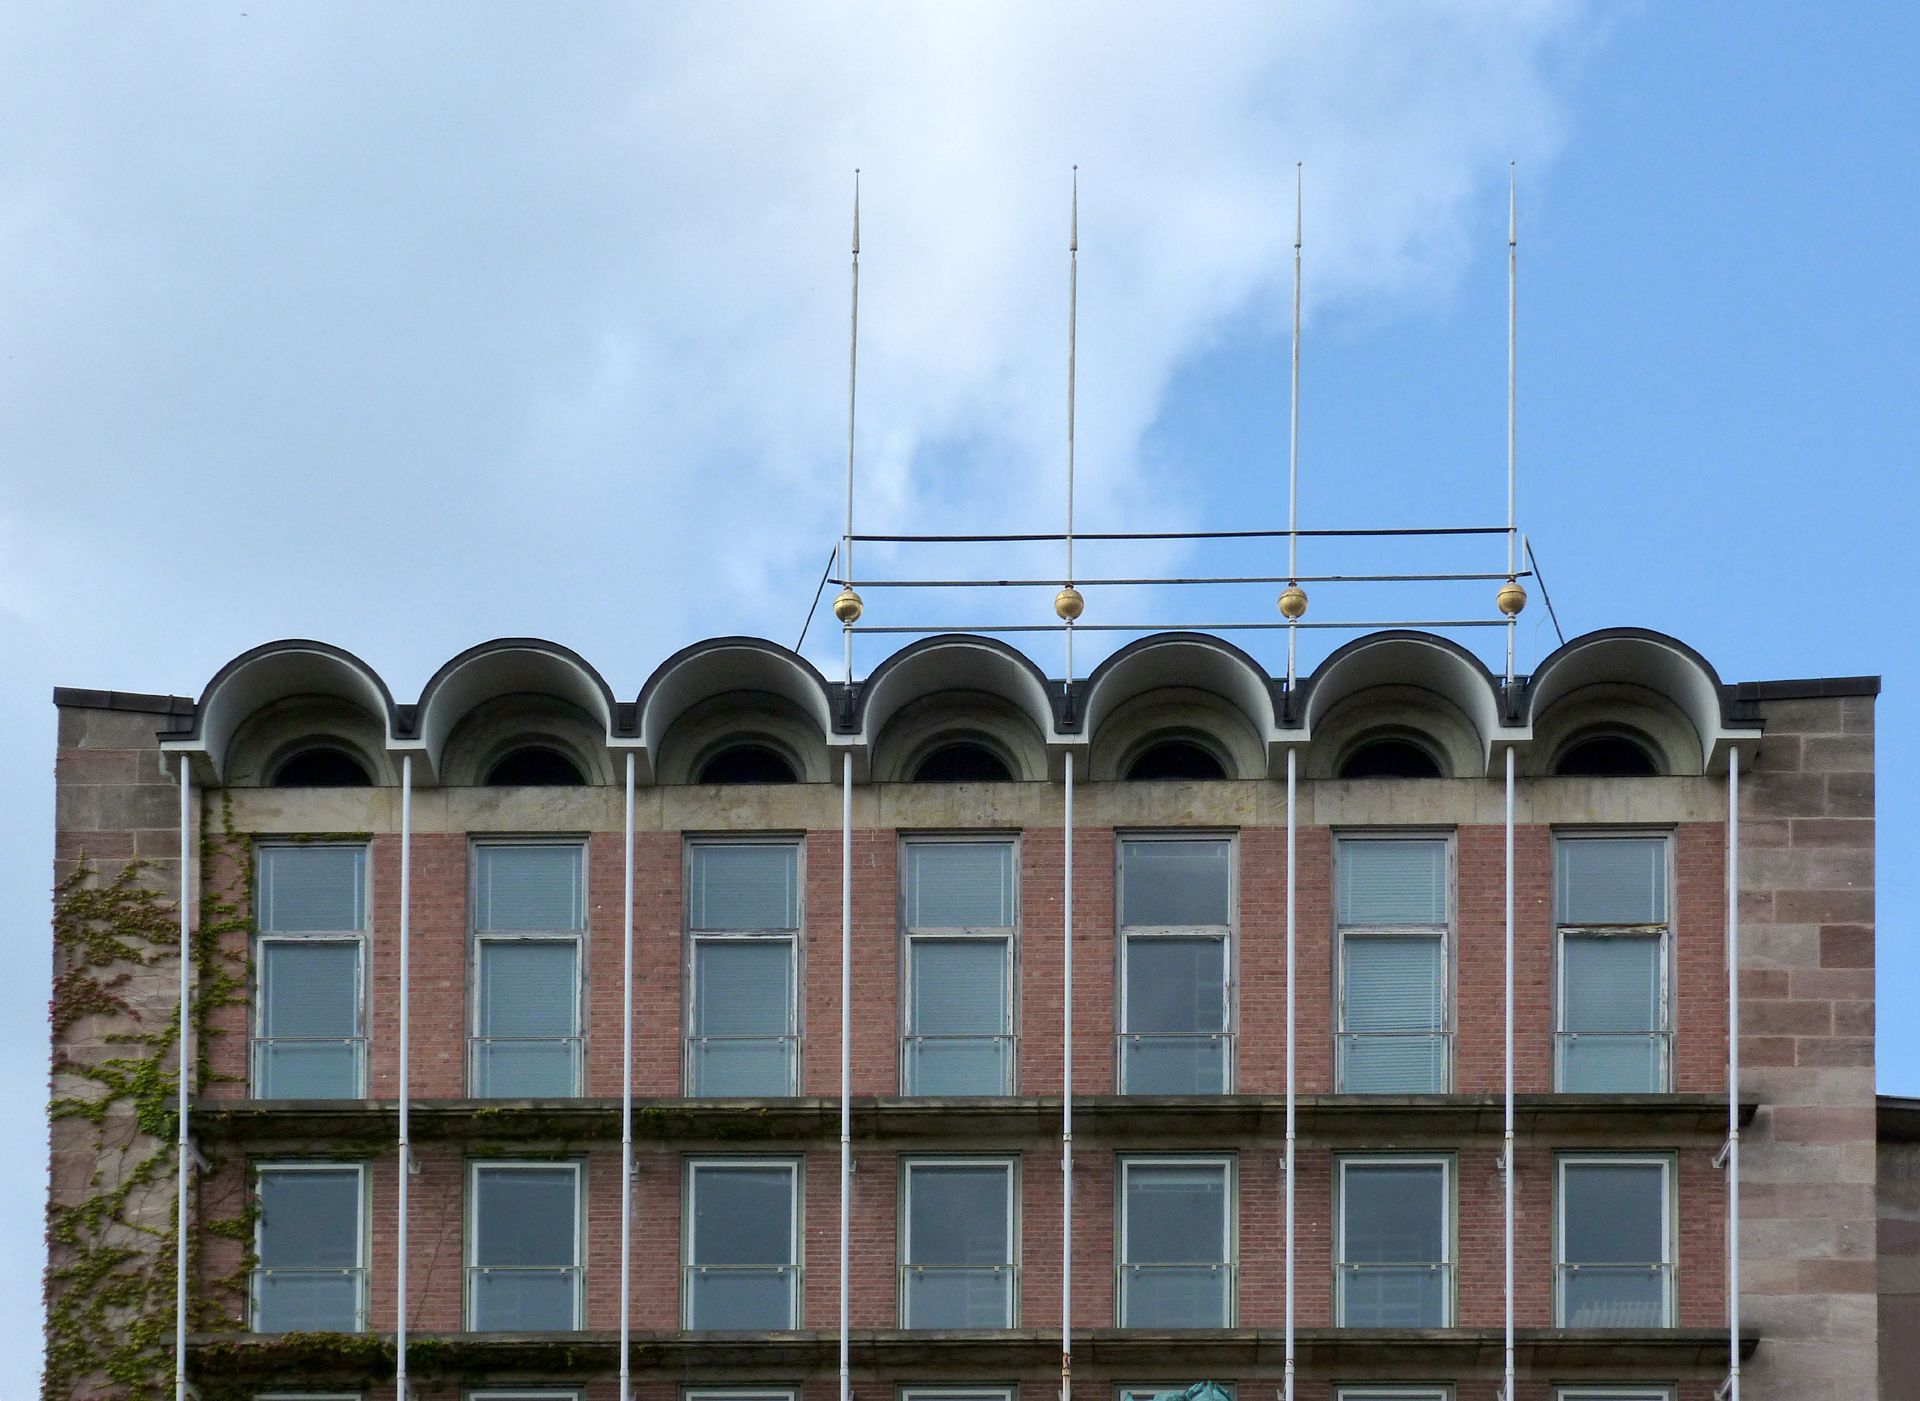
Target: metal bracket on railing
1728,1387
413,1162
197,1158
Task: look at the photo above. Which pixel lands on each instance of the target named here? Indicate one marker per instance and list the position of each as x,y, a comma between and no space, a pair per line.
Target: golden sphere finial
847,606
1293,603
1511,598
1069,603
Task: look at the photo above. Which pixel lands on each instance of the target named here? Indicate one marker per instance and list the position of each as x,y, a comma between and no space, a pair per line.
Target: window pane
1393,1213
1613,1296
1611,983
1614,1214
742,987
313,888
959,987
959,885
1396,983
308,1275
1393,1245
1176,985
1613,880
957,1215
1174,882
970,1065
1174,1296
309,988
1614,1063
1174,1065
743,886
1176,1213
528,887
524,1218
310,1218
742,1216
528,988
1393,882
740,1298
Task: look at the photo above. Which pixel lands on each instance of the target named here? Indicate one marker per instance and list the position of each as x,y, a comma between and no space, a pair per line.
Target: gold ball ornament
1293,603
847,606
1511,598
1069,603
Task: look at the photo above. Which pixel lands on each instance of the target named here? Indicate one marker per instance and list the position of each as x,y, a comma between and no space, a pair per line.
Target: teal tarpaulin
1199,1391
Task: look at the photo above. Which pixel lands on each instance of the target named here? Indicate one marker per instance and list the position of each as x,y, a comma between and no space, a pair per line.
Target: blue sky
408,328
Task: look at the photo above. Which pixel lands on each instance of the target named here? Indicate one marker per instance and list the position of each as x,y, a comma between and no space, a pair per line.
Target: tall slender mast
1293,598
846,608
1068,605
1513,325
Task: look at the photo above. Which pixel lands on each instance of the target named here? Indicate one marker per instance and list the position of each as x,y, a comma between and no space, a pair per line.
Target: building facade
550,836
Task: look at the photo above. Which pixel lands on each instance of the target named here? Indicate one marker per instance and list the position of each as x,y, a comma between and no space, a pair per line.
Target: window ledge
1028,1354
1339,1120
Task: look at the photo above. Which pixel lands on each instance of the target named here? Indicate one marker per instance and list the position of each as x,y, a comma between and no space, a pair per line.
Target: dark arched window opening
1607,756
1390,758
747,763
322,768
962,762
1176,759
535,766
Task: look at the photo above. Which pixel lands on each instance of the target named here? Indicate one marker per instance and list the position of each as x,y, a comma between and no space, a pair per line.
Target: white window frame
1227,935
1669,1223
797,1196
1449,943
1449,1228
691,938
911,934
1138,1391
580,938
355,937
475,1166
1664,930
1230,1165
1645,1391
526,1394
1011,1164
739,1393
362,1231
1415,1392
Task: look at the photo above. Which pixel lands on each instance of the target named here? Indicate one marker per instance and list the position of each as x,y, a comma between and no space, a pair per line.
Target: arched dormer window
747,763
1390,756
1175,759
534,766
962,761
1606,756
321,766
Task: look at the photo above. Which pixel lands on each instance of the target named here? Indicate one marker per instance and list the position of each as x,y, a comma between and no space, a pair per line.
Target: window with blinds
1176,1266
529,913
957,1265
743,939
523,1248
1393,1247
1176,993
1395,913
740,1244
310,1245
958,903
1613,1262
1613,1032
309,1038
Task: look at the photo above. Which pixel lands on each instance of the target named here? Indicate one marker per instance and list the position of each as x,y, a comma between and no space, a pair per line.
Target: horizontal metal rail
1193,627
1081,536
1176,579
